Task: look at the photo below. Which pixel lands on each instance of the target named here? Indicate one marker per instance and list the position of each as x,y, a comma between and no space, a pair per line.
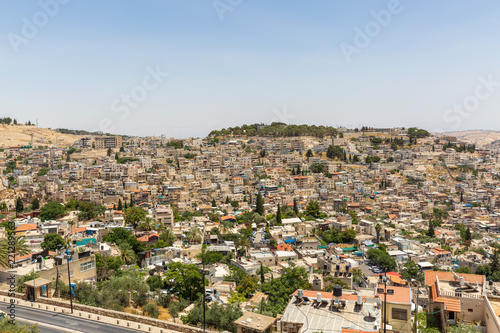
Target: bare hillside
479,137
20,135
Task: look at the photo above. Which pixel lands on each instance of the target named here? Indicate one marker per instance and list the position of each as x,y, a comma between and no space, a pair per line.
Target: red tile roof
401,294
26,227
431,276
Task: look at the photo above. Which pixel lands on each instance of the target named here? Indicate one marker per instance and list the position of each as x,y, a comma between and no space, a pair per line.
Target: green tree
147,225
52,241
464,269
312,209
378,228
309,153
35,204
185,279
259,206
430,231
17,245
262,276
467,237
168,237
410,270
382,259
247,286
134,214
127,254
51,211
120,205
295,207
7,326
151,310
119,236
106,266
279,290
334,152
278,215
109,152
214,204
25,278
218,316
19,205
175,307
194,235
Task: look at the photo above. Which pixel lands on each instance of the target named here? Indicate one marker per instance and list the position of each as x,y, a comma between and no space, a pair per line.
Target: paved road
365,269
63,321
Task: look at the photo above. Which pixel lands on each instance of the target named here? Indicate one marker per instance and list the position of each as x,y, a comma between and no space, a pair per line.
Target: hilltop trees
276,129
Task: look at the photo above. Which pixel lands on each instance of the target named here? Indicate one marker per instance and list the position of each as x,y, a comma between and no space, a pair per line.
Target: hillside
20,135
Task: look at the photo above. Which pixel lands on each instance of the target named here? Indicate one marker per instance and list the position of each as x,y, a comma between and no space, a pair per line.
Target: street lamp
384,279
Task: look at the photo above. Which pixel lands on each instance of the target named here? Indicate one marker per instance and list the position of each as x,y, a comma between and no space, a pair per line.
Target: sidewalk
89,316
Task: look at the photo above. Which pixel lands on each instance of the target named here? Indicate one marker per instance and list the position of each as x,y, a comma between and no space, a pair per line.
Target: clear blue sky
265,61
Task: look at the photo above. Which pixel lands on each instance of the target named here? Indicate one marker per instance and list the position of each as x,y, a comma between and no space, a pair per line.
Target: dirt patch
20,135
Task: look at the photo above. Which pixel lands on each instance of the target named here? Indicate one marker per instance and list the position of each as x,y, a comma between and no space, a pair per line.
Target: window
87,266
399,314
470,310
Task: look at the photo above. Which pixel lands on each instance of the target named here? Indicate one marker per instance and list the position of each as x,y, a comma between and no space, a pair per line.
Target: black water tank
337,291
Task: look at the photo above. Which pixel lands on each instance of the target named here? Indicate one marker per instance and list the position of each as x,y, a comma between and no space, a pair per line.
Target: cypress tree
259,206
278,215
431,232
295,207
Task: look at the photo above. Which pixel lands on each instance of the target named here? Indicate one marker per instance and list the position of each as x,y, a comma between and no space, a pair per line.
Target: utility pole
68,257
203,277
385,302
416,307
34,285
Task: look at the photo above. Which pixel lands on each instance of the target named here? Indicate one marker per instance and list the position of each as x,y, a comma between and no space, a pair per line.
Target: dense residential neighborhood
362,229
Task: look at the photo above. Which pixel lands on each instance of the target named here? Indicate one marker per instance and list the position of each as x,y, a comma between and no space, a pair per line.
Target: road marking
30,322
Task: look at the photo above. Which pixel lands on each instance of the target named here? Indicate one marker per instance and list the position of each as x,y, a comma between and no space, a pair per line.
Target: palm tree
224,227
194,235
127,254
244,244
20,247
148,224
378,227
168,237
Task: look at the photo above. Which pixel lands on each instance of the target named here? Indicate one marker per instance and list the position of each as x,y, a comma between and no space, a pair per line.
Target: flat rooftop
324,317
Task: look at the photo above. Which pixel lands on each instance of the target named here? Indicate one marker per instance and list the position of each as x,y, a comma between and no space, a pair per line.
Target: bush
151,310
164,300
